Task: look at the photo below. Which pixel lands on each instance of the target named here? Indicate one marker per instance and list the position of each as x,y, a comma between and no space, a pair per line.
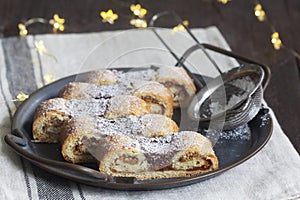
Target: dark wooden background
244,33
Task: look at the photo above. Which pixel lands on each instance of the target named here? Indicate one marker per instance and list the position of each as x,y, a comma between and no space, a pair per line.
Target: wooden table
244,33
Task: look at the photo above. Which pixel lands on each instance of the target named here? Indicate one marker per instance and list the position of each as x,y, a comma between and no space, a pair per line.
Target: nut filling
125,163
155,106
177,90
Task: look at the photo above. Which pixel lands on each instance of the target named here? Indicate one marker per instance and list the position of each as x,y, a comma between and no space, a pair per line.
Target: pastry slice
80,135
156,95
178,82
179,155
51,114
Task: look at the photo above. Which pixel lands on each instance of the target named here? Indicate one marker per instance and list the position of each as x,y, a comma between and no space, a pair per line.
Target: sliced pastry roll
73,149
178,82
51,114
123,158
79,134
184,154
156,95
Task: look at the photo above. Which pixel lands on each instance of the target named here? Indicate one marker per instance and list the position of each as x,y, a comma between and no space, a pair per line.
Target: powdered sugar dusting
92,107
264,119
245,83
236,91
108,91
136,75
242,132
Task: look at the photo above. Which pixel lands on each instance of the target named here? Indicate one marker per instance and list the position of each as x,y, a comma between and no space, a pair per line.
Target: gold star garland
275,37
262,17
109,16
21,97
57,24
39,47
138,10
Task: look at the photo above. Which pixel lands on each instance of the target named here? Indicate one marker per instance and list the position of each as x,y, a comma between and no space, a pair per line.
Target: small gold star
23,30
40,47
22,97
138,10
259,13
180,27
139,23
48,78
276,41
109,16
57,23
224,1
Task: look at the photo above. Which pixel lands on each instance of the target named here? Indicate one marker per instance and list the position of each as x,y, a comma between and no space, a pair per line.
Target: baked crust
175,79
102,77
124,105
81,90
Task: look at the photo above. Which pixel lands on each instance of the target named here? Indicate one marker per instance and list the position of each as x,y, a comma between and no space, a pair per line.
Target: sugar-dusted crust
81,90
124,105
154,125
156,95
175,79
80,129
179,155
102,77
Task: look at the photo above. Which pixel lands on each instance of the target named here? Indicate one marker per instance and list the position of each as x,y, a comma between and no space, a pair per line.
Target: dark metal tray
230,152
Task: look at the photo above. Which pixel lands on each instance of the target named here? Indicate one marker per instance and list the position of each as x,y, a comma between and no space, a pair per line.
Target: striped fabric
274,173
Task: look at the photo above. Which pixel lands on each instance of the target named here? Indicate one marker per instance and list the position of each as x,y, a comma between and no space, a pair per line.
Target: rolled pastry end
123,158
74,150
49,117
178,82
157,96
47,127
